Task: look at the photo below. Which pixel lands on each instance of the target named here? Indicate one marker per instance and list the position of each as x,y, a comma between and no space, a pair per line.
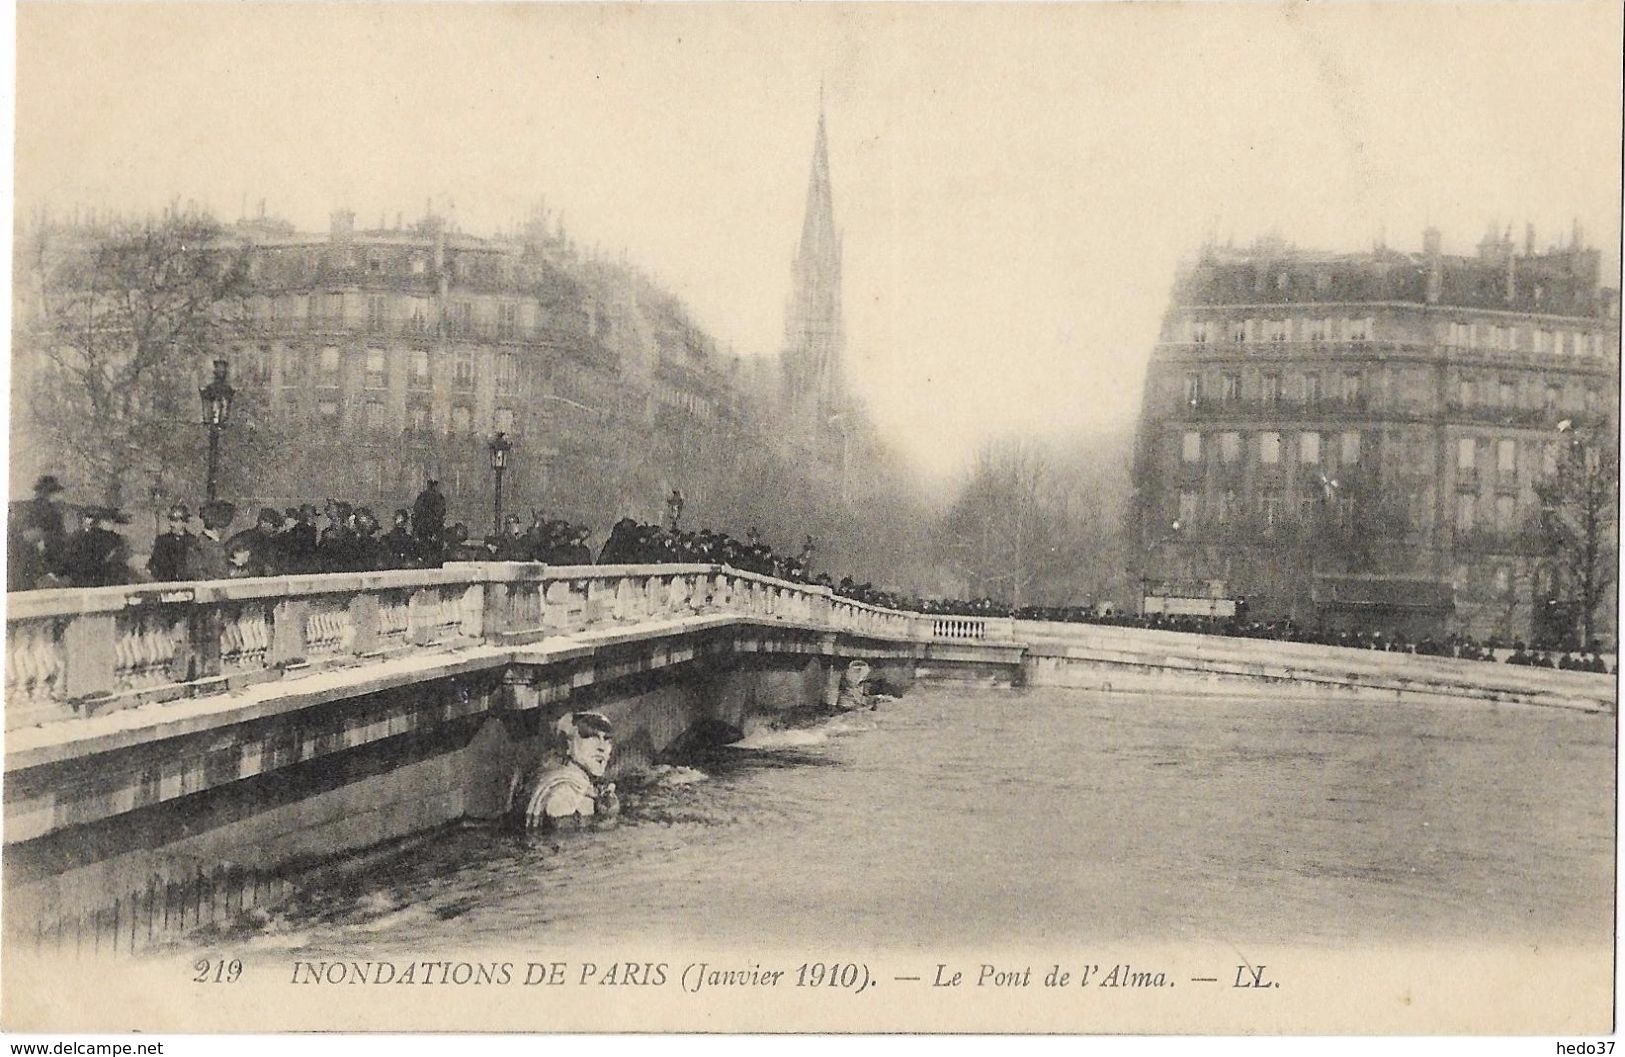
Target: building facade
384,357
1358,439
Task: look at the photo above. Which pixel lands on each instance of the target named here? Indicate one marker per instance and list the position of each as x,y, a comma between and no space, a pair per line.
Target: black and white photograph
1082,518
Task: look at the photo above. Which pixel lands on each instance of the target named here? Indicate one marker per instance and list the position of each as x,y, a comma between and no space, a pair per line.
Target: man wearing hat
399,543
257,551
429,515
171,548
567,794
207,560
576,551
97,556
28,566
513,545
45,514
622,543
336,551
368,552
299,539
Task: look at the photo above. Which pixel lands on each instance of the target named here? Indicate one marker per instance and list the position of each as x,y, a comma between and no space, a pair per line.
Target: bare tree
1579,527
1006,530
112,335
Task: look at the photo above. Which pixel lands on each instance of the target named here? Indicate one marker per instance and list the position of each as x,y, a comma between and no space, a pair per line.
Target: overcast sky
1015,184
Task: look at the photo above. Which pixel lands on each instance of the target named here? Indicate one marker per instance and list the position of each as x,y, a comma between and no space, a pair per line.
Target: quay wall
1142,660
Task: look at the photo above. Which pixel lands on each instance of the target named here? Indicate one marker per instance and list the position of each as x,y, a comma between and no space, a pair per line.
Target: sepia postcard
1084,518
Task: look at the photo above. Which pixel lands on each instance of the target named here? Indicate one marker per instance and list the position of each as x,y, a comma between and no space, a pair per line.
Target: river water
966,816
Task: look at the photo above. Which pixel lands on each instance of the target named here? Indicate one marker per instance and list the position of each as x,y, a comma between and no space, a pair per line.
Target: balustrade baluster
394,619
35,662
329,628
144,647
245,637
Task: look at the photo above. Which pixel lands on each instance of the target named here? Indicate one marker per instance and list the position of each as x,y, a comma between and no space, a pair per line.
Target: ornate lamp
216,398
499,448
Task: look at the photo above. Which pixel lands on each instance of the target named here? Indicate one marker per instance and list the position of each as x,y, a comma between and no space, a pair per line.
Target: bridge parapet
848,614
972,629
78,652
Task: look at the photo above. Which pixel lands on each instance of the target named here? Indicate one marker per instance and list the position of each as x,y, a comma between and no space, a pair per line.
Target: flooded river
965,816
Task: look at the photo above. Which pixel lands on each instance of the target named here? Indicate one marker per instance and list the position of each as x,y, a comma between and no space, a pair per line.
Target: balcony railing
1278,407
1499,541
416,327
1225,349
75,652
1470,354
1520,417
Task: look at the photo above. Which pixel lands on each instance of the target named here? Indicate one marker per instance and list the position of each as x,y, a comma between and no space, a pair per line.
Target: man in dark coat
258,551
28,566
368,551
97,556
399,543
45,514
336,553
170,549
459,548
513,545
299,539
619,548
45,511
577,552
208,558
429,514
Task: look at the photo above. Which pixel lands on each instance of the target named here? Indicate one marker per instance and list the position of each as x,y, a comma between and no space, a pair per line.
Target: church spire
814,335
818,223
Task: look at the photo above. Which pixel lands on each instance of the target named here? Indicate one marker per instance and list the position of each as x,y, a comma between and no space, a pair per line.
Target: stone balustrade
75,652
82,651
969,629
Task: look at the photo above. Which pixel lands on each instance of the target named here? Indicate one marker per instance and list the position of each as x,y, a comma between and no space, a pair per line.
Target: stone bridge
178,752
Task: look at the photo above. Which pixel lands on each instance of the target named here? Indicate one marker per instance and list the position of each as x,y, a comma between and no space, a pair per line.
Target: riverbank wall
1139,660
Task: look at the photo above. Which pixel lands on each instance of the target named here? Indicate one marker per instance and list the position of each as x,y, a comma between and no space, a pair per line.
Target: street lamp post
216,398
499,447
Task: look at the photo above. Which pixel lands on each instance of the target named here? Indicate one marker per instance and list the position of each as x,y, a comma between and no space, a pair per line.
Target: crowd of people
41,553
633,542
342,537
1455,644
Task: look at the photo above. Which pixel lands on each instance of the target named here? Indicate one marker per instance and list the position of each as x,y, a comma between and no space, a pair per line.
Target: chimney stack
1431,247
